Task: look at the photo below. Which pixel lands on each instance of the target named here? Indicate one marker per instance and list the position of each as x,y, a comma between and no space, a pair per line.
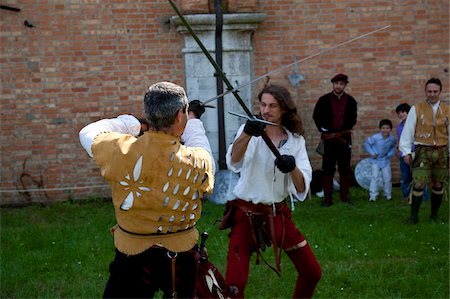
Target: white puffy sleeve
194,135
303,163
407,137
126,124
235,167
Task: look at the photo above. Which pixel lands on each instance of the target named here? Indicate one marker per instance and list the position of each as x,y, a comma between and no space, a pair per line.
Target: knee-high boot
436,200
327,182
344,189
416,201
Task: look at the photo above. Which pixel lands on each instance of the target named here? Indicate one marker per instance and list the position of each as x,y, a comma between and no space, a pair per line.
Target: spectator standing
402,111
427,127
381,148
335,115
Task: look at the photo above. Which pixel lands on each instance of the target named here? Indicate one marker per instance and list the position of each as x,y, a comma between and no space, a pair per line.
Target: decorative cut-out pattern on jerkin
134,185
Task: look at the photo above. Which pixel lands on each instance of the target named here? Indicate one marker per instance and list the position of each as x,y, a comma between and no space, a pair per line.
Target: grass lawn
365,250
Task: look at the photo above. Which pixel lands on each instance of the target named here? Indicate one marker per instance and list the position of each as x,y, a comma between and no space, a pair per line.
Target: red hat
340,77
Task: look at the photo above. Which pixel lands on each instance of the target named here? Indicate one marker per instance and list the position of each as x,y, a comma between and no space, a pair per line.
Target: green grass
365,250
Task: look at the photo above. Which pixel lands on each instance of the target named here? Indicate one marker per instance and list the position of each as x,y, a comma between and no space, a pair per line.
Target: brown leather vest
431,130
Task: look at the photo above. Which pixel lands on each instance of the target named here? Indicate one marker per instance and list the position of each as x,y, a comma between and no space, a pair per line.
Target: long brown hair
290,118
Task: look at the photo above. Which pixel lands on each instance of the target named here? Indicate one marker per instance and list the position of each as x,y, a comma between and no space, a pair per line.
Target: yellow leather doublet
157,187
430,132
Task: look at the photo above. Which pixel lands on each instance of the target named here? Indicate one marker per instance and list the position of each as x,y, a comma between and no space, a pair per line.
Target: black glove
285,163
144,126
254,128
197,108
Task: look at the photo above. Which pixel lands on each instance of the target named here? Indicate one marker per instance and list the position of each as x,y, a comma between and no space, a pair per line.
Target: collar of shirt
336,96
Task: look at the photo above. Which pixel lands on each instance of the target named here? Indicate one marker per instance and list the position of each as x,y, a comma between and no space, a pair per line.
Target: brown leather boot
327,182
344,189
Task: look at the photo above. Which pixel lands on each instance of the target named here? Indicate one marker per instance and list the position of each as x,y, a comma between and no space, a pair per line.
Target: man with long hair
260,216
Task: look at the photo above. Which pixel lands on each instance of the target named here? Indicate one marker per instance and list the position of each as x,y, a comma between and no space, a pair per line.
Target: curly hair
290,118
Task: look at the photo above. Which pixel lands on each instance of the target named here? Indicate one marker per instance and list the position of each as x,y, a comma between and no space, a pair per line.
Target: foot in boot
434,217
412,220
326,204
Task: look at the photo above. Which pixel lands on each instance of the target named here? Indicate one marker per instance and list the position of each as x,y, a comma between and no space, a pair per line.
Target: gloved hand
197,107
285,163
144,126
254,128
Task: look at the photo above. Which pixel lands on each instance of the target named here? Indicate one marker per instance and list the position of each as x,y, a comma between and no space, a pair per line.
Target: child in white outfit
380,147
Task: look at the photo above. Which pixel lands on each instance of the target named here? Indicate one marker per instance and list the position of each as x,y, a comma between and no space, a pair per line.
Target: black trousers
337,151
142,275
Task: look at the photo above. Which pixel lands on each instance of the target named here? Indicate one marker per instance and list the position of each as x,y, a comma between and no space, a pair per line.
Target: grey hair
162,103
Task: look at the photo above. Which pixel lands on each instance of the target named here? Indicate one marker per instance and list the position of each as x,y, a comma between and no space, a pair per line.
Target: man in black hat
335,115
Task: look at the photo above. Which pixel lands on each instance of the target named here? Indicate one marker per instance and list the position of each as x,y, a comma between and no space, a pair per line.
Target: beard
338,91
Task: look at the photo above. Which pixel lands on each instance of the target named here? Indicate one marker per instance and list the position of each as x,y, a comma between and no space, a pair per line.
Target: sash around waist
326,135
259,207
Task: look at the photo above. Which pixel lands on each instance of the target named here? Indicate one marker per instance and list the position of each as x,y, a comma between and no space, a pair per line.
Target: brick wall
83,61
384,69
91,59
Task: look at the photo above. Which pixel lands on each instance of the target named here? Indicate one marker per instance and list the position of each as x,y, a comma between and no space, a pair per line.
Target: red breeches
287,237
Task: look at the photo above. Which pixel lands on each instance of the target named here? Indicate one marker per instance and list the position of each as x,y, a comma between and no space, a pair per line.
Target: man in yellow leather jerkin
157,186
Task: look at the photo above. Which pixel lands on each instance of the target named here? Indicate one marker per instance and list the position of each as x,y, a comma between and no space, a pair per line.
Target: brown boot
327,182
344,189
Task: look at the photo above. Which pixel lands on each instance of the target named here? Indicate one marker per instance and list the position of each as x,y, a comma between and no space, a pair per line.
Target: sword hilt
202,251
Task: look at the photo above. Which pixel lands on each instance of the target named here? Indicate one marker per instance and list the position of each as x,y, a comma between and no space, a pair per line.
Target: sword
254,119
236,89
264,136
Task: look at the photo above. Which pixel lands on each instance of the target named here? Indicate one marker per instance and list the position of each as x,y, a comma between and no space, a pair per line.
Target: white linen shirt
193,136
125,124
260,180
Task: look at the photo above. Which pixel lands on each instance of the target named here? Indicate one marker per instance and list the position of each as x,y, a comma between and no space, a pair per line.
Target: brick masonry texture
91,59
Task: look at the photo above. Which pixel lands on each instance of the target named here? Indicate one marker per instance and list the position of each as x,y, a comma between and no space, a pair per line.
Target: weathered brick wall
83,61
90,59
